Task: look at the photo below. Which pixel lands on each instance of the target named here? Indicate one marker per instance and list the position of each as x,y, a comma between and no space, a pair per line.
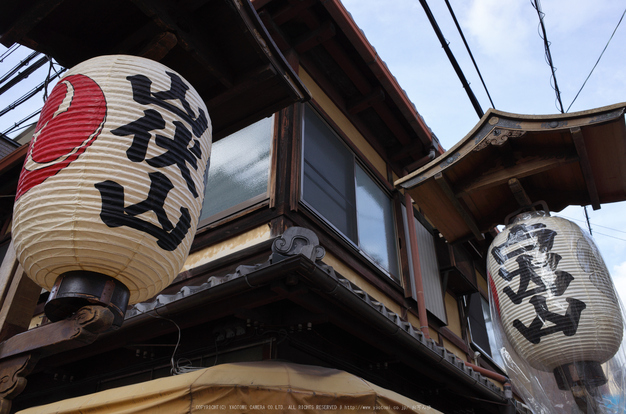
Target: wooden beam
159,46
361,104
247,81
441,180
523,168
28,20
291,11
19,296
519,193
315,37
203,52
585,166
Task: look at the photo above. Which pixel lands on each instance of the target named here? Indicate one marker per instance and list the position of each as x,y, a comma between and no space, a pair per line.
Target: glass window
481,327
239,168
375,222
339,190
328,176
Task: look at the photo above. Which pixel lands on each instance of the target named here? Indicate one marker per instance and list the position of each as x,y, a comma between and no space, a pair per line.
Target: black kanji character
142,94
140,130
178,153
526,272
568,323
519,232
114,214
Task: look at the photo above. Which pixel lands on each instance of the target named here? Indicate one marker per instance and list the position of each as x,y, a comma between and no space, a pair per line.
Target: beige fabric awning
268,386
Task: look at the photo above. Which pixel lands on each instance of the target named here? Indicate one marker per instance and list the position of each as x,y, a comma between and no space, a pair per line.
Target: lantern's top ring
525,214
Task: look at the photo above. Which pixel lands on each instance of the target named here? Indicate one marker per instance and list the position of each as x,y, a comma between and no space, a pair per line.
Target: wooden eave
330,46
509,161
220,46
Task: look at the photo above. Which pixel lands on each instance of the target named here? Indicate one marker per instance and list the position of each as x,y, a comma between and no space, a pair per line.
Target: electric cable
452,59
597,61
23,75
30,94
546,44
9,51
20,122
469,51
18,67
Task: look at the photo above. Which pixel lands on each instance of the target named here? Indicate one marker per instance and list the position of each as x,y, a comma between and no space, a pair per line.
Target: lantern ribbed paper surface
553,292
113,181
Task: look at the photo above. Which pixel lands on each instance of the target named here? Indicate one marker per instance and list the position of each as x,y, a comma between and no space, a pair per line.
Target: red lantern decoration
112,186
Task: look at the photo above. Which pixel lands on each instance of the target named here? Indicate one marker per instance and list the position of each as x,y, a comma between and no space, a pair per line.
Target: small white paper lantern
555,297
113,183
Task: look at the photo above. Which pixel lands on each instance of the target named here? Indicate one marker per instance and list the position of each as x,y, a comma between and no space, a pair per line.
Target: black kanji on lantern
114,214
530,268
526,271
182,150
568,323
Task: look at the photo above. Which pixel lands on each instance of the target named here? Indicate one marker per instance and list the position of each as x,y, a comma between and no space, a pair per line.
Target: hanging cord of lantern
597,61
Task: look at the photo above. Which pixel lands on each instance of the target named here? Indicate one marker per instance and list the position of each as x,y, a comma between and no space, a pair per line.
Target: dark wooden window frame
372,172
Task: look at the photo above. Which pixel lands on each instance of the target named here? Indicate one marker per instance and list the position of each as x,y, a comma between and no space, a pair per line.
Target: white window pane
239,167
495,353
377,235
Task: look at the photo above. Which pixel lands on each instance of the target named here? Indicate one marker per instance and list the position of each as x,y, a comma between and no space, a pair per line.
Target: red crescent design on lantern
494,293
70,121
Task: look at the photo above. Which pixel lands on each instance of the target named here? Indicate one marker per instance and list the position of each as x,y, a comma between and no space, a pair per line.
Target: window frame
359,161
489,333
255,202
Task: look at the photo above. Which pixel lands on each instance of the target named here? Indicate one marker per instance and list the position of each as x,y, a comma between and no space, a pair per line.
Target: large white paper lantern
113,184
555,297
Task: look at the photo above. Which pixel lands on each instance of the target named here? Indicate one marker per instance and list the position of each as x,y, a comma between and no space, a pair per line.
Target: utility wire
30,94
20,122
453,61
469,51
23,75
594,66
18,67
597,225
537,6
9,51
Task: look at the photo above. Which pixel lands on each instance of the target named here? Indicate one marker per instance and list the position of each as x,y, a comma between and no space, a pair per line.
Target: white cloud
497,28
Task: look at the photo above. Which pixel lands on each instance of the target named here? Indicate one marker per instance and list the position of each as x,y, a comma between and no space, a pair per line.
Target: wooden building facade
306,251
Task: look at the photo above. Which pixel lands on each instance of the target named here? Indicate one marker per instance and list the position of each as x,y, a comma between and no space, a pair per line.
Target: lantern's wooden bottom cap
76,289
585,373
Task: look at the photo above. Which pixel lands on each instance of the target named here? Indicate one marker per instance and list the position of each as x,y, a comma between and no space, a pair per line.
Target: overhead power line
30,94
9,51
17,67
546,44
598,61
469,51
455,64
23,75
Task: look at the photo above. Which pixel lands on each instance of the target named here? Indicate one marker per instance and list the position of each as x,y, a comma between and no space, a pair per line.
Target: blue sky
504,38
